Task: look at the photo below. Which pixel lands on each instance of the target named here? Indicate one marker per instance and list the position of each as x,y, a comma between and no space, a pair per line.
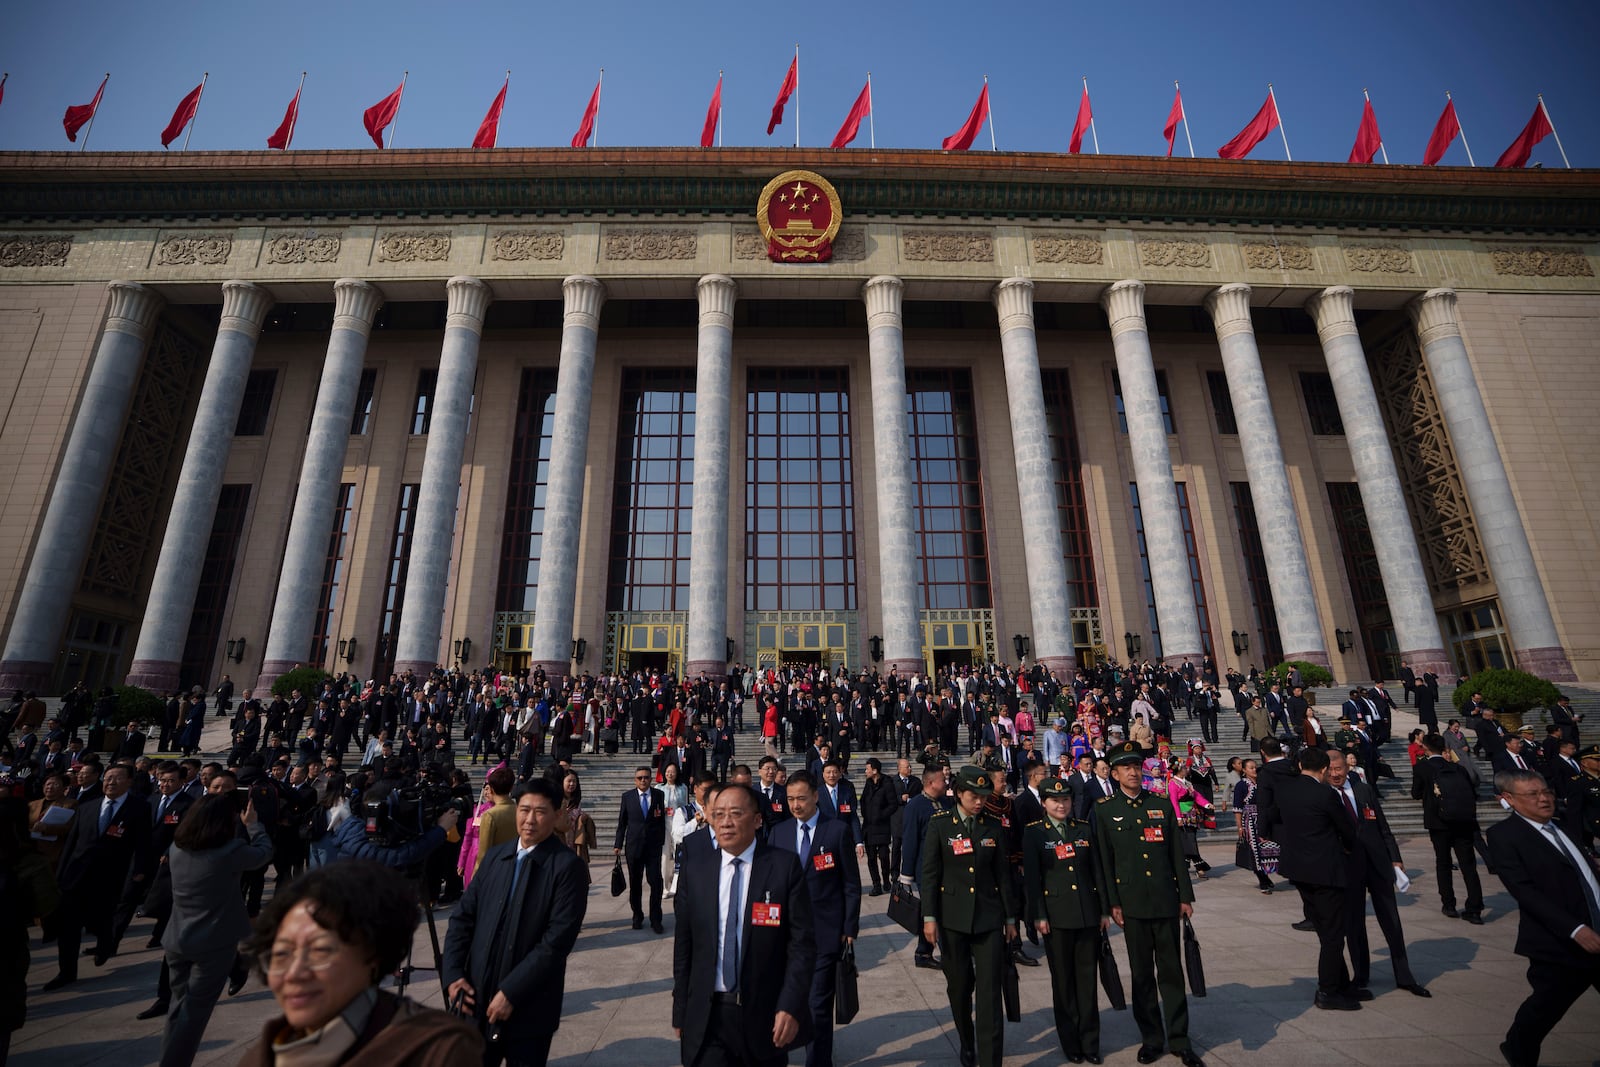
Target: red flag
76,117
961,140
586,127
708,132
1079,128
377,117
1537,129
791,82
1367,137
1444,131
285,132
852,122
180,118
1254,133
3,79
1175,116
489,129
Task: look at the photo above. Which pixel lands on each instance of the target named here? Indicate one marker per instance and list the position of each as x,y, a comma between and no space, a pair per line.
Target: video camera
412,808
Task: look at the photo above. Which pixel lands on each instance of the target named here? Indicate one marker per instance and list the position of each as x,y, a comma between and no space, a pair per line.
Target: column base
1176,659
160,676
271,671
906,667
30,676
1319,657
419,668
554,670
1426,660
714,669
1550,663
1063,666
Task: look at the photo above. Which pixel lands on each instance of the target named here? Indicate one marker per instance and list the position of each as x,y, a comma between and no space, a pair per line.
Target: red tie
1350,805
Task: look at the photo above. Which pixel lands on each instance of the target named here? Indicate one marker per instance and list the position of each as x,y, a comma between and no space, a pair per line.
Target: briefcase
1011,991
1191,961
846,993
1110,976
905,910
619,881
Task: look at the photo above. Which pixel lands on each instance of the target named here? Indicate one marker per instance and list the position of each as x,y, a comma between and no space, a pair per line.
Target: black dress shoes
877,891
1417,990
1336,1002
1023,958
59,981
1092,1057
1473,917
1149,1054
638,924
1449,912
929,963
1190,1058
157,1010
657,928
1305,926
1511,1058
969,1058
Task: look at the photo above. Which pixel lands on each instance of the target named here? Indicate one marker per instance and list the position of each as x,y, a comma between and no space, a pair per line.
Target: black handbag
1192,966
846,992
1010,989
905,910
619,881
1110,976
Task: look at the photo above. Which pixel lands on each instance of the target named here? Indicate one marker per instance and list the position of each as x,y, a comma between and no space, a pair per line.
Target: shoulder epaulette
1102,800
1037,822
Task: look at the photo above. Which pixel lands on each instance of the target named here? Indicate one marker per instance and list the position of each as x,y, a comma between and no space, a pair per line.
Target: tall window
654,491
1161,391
1366,579
799,490
216,578
522,541
949,489
332,574
1255,569
1321,404
256,404
1197,583
422,409
362,417
1076,546
1221,402
394,584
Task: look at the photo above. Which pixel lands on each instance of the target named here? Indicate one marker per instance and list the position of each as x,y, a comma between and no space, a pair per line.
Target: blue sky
927,62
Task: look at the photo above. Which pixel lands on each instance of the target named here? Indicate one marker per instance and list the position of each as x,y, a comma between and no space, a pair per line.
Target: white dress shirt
724,882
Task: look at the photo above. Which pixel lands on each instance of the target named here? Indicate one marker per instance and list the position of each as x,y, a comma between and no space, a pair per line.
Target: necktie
1350,804
516,875
1554,835
644,804
833,795
106,813
730,931
805,841
161,809
1520,765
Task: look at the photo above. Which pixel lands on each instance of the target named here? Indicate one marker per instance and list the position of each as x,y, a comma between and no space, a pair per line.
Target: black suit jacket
1026,809
1313,832
94,866
1429,770
776,962
519,949
1548,892
1270,777
848,811
161,830
1375,843
833,878
638,833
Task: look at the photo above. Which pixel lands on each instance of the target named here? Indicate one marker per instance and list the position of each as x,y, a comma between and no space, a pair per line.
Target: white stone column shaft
707,650
157,656
70,516
428,572
569,448
898,559
1405,584
1288,572
1494,507
1165,548
305,555
1048,595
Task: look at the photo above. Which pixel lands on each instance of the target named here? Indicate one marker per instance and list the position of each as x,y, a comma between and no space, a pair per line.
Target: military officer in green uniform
1144,884
1063,903
967,899
1583,797
1345,739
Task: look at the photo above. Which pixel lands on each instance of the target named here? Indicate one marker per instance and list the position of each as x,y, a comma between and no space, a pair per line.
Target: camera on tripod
411,809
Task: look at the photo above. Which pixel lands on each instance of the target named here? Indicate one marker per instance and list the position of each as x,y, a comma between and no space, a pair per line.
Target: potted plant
1512,693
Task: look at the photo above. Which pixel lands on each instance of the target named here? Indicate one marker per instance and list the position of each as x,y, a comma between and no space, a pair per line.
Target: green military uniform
1059,887
1344,738
1142,871
1583,799
966,889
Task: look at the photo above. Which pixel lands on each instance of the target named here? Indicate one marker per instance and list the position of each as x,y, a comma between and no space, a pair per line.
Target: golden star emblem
800,189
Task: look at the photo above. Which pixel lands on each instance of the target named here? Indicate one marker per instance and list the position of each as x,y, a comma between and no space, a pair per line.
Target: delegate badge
961,846
763,914
1155,834
1065,851
823,861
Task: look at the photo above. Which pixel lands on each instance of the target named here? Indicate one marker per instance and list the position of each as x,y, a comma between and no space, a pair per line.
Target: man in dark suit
827,852
836,797
1557,889
1450,815
1316,839
1515,755
774,804
1374,864
642,832
109,828
506,950
1491,732
743,954
1562,715
1427,698
1028,806
721,743
149,885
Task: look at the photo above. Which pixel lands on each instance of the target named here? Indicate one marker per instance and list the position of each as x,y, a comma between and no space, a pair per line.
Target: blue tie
644,804
106,813
805,841
516,876
730,931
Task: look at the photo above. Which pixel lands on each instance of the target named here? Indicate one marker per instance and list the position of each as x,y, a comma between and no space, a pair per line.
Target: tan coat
495,827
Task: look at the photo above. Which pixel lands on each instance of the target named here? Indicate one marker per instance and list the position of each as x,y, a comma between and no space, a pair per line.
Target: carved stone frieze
1378,259
851,245
1183,252
187,250
302,248
1278,255
516,246
34,250
948,246
649,244
414,247
1073,249
749,244
1535,262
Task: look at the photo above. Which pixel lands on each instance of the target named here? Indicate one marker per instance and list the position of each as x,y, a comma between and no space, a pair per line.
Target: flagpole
1553,132
1092,132
99,100
872,128
719,109
192,118
1277,115
1183,113
502,114
797,94
1382,149
987,97
1461,131
296,117
395,122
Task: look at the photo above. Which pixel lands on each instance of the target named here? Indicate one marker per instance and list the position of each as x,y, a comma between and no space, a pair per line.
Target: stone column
569,448
428,573
74,507
1288,572
707,650
294,611
1048,597
157,656
1494,507
1152,471
1416,627
898,558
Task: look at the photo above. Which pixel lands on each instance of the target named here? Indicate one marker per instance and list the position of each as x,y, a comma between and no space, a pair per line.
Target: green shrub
306,679
137,705
1510,691
1311,674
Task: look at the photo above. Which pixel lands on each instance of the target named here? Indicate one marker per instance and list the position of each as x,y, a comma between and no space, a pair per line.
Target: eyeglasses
641,777
315,958
1533,793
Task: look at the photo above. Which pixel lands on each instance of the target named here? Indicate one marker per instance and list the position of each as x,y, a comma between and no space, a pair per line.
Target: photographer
387,823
